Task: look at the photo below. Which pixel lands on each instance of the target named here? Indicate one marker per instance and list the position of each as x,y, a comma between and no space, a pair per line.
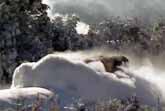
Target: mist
91,11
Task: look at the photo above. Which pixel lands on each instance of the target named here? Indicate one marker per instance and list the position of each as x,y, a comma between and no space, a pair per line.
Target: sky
92,11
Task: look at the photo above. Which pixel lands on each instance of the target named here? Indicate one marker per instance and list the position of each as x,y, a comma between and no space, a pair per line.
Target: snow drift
13,98
70,77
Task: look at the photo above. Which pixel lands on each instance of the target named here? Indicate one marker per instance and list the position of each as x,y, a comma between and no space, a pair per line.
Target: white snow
11,98
97,66
71,78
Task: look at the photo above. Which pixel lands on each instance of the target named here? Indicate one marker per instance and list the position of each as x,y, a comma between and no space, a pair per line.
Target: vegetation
111,105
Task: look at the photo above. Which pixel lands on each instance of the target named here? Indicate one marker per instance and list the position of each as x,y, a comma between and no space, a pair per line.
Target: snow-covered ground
68,76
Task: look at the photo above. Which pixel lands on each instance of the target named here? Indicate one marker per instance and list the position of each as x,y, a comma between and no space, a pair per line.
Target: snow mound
13,98
71,78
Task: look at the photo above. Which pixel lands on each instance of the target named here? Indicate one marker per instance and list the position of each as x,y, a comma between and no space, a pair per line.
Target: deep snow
68,76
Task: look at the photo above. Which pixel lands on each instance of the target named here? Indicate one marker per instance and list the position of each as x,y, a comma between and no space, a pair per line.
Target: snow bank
15,98
71,78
